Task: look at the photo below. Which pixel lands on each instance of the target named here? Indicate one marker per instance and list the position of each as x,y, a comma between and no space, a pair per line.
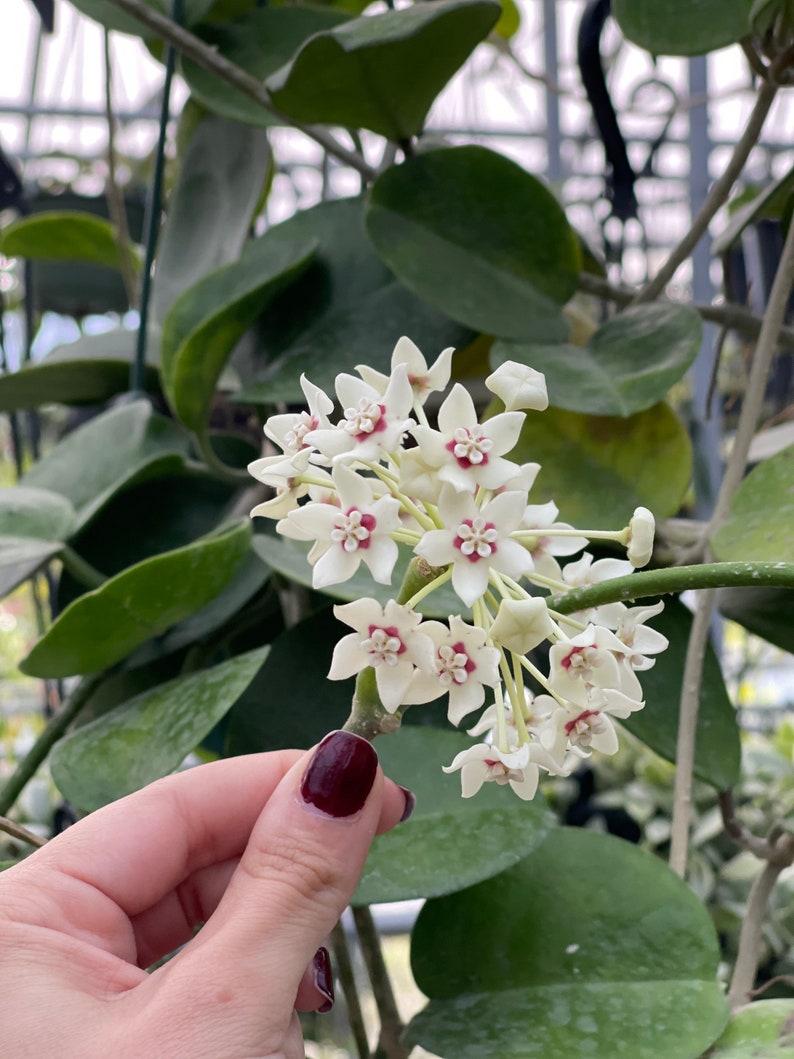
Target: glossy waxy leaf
33,525
761,515
475,235
589,946
206,321
149,736
109,15
679,27
288,557
717,745
628,365
63,236
279,710
449,842
88,371
598,469
765,612
125,445
763,1030
363,334
222,173
104,626
260,41
355,74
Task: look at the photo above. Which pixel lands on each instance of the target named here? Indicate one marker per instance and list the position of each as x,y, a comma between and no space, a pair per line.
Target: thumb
294,880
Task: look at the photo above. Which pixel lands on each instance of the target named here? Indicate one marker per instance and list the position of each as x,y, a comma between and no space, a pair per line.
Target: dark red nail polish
324,978
339,777
410,803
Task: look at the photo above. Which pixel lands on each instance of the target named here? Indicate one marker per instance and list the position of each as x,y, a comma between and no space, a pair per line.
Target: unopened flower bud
640,539
521,624
519,386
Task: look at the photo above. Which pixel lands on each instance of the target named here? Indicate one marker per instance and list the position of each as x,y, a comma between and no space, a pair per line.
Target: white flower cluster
383,475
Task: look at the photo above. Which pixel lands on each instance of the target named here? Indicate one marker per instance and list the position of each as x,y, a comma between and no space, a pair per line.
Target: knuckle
301,866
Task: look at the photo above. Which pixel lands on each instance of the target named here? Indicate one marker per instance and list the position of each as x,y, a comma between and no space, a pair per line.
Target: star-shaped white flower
424,380
590,728
356,531
374,423
290,429
483,763
540,519
583,661
463,665
468,453
282,473
476,541
386,638
636,638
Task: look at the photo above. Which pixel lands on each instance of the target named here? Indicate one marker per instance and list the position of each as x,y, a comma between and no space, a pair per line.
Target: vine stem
690,692
21,833
391,1026
744,971
211,60
347,979
716,197
674,579
728,314
48,738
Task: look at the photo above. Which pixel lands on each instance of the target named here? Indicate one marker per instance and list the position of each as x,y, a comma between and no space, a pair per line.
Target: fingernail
324,978
339,777
410,803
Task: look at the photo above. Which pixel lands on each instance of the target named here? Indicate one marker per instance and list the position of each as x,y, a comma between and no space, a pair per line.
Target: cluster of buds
382,476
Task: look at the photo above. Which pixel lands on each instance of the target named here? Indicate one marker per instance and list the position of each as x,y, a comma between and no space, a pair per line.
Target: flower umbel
449,493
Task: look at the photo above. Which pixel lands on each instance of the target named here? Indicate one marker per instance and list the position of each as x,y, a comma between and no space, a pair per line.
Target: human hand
266,849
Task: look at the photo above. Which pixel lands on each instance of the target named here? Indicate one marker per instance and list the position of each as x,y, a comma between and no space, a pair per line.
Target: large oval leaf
65,235
717,745
88,371
355,74
104,626
765,612
261,42
125,445
33,525
628,365
761,516
206,321
109,15
598,469
474,234
221,177
449,842
587,947
149,736
679,27
763,1030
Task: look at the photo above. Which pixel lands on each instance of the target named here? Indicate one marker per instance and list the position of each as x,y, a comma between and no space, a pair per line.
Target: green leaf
763,1030
717,746
449,842
761,514
277,711
33,525
89,371
128,444
475,235
206,321
261,42
108,14
587,947
365,333
149,736
289,557
765,612
65,235
679,27
104,626
355,74
598,469
628,365
248,580
221,177
35,513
